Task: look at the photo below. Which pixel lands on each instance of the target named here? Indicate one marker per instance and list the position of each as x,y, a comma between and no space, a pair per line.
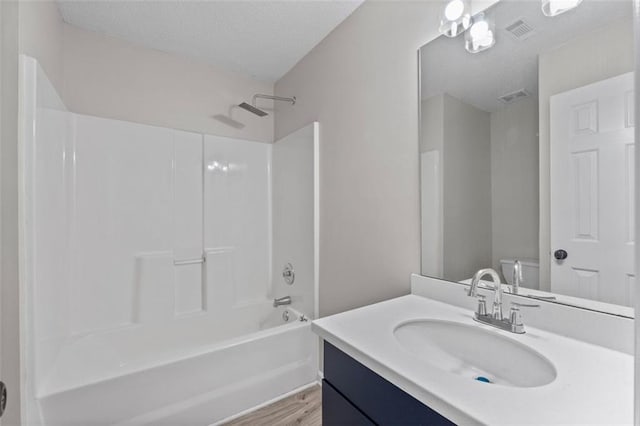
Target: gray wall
601,54
41,34
466,165
361,84
514,181
112,78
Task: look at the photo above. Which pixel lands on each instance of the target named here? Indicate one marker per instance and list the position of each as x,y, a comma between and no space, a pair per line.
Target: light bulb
480,37
479,29
454,10
455,18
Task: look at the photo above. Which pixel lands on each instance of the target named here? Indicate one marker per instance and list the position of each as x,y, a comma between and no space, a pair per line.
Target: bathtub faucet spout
280,301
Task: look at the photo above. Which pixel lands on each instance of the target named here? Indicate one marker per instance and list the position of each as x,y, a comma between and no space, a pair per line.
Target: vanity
355,394
423,359
527,157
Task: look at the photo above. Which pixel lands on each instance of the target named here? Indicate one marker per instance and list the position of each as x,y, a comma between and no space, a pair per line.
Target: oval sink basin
473,352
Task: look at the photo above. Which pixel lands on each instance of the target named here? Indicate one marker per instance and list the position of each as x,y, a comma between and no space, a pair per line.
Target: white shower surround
125,202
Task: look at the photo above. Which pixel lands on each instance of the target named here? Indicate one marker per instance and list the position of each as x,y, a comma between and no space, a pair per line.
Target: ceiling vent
512,97
520,30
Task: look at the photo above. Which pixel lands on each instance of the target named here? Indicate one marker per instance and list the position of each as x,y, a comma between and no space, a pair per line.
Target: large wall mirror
527,151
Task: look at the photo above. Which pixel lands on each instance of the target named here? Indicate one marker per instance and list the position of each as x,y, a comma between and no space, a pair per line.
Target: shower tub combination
139,377
151,259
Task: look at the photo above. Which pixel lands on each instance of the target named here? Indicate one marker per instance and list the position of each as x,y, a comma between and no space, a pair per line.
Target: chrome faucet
517,282
517,276
497,286
281,301
514,322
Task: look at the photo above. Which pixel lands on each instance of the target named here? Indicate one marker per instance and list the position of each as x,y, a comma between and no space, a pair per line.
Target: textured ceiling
263,39
479,79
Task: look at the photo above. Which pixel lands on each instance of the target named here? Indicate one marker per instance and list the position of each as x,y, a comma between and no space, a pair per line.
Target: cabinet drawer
336,410
383,402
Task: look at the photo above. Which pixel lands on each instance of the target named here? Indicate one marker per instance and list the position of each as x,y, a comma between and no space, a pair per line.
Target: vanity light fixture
455,18
481,35
556,7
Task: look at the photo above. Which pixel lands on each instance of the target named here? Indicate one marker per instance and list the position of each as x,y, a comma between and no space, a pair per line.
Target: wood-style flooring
303,408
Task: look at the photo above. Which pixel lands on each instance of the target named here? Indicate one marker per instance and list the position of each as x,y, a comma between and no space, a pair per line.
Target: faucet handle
515,317
482,305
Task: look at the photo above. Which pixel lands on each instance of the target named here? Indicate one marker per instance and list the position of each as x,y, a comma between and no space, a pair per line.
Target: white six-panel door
592,187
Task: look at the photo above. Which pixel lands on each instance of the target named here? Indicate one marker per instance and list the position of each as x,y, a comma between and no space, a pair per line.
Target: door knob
560,254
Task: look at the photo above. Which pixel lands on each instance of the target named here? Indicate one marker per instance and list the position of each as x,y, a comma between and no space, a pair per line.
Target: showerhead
260,113
252,109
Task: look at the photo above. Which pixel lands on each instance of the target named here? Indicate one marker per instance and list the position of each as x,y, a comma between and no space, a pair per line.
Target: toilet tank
530,272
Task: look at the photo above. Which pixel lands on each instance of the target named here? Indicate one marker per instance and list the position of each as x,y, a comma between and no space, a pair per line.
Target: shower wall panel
293,216
237,209
119,234
46,241
122,209
136,209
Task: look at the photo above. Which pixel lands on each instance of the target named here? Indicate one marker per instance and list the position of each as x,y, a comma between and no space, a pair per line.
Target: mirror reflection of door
592,187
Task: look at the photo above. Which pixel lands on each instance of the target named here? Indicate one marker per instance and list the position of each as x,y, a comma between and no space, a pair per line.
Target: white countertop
594,385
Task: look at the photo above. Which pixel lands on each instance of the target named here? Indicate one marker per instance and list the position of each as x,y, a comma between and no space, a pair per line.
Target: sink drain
483,379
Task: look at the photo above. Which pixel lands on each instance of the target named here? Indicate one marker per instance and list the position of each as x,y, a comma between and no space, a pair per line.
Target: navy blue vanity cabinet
354,395
337,410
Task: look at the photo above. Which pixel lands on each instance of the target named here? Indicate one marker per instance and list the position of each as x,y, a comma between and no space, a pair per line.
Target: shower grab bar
189,261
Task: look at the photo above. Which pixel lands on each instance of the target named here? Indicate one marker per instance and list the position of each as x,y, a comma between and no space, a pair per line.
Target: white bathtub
170,375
